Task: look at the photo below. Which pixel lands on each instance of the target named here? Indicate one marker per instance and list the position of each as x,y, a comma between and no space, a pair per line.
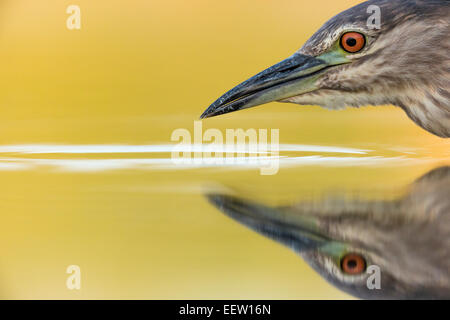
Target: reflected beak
291,77
295,231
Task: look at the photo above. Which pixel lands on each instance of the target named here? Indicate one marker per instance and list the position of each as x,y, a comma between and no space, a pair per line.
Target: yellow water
137,225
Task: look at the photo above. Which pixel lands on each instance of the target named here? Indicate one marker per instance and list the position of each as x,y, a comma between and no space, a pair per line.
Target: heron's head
336,254
394,249
352,61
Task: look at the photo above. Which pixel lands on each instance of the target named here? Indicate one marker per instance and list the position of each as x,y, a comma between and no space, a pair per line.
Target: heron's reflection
407,239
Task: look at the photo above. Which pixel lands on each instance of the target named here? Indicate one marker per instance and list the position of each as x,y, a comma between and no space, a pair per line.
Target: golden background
136,71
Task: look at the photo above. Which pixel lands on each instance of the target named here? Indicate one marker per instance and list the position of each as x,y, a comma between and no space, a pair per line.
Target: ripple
167,148
82,158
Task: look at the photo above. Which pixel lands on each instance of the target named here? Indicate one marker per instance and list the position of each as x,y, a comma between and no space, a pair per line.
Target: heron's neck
429,108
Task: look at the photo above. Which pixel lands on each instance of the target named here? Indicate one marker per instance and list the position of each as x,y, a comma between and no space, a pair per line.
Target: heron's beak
291,77
295,231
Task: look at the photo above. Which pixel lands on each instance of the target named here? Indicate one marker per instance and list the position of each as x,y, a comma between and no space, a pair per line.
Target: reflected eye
353,264
353,42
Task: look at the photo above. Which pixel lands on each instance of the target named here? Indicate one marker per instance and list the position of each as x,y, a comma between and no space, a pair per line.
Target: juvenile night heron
348,62
407,239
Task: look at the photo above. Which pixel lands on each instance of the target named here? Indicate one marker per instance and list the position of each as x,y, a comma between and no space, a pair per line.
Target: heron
350,62
406,238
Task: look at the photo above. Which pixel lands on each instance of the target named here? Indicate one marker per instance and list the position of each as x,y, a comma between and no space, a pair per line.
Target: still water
140,226
88,177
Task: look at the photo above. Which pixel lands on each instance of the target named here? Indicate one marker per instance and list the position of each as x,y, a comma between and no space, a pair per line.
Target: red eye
353,264
353,42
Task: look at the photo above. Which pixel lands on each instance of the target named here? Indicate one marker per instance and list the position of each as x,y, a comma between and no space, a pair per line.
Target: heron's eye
353,264
353,42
